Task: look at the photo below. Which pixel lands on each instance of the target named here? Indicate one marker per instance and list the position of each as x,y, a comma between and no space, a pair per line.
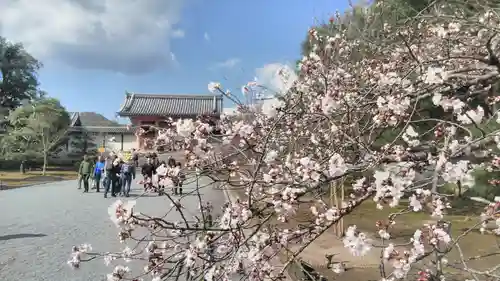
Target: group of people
160,174
116,174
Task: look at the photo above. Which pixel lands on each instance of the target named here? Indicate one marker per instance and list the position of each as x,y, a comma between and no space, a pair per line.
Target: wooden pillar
334,201
121,142
68,143
342,198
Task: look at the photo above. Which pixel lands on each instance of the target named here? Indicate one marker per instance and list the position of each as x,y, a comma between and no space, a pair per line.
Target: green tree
361,22
83,143
365,24
38,127
365,21
4,113
18,74
410,8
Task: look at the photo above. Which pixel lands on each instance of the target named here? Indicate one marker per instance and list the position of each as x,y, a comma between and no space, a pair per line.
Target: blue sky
223,40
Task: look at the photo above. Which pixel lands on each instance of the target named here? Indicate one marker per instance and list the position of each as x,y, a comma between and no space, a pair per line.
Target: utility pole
334,202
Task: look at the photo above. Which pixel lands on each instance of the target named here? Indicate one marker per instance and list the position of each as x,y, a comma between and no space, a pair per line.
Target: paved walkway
40,224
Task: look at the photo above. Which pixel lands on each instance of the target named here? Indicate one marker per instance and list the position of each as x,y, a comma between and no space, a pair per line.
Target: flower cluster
396,121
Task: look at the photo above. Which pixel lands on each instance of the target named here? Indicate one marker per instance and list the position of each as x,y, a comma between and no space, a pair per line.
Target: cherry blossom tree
353,113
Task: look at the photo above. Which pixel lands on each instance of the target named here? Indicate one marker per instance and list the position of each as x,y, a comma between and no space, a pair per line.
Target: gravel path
40,224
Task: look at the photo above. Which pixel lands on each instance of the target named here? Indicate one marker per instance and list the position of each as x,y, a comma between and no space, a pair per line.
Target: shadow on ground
43,178
21,235
28,181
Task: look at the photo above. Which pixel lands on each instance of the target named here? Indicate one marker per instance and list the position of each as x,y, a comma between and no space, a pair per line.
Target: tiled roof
103,129
171,105
96,123
91,119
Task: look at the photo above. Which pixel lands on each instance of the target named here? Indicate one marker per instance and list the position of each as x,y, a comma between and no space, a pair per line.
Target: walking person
180,177
110,181
98,173
135,157
108,169
171,172
127,173
117,168
147,172
84,173
161,173
155,160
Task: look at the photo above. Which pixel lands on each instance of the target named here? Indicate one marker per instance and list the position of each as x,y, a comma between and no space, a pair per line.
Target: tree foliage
367,20
83,143
18,74
36,128
439,69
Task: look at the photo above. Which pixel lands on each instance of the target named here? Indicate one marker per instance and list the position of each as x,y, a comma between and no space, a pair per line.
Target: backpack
99,166
109,165
126,168
97,170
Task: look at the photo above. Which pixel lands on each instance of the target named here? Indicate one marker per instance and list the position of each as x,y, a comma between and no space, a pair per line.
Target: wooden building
90,132
147,112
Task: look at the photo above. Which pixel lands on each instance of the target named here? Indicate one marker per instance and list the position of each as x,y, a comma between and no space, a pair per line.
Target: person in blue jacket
98,172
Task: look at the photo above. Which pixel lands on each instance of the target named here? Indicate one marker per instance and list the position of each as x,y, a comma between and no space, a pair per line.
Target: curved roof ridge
126,101
171,105
74,118
170,96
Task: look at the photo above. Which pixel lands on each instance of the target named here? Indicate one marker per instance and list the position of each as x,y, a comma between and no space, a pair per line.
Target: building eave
74,119
126,114
102,129
171,105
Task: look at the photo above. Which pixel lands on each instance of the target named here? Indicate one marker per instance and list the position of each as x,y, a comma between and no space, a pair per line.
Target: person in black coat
117,169
112,168
147,171
179,179
155,161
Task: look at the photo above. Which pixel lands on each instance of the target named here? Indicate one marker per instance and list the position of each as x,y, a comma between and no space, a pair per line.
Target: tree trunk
342,198
336,202
45,163
459,186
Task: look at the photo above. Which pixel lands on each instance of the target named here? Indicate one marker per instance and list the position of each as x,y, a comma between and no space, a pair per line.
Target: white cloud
269,77
126,36
178,33
206,36
227,64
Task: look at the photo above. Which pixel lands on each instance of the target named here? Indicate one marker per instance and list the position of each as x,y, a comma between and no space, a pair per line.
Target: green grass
11,175
13,179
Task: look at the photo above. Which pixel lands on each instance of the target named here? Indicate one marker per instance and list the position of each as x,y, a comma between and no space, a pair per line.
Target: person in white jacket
159,171
178,178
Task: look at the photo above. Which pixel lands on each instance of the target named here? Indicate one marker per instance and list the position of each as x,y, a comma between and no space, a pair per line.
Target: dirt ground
365,217
473,245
